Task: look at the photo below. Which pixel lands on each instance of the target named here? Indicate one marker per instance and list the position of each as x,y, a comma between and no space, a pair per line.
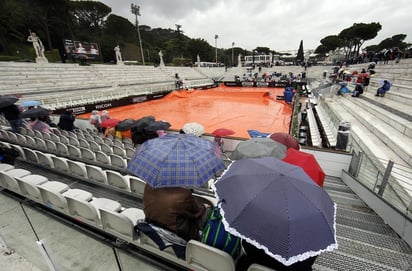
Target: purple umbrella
277,207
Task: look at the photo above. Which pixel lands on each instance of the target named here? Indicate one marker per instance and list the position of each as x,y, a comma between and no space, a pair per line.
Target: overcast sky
277,24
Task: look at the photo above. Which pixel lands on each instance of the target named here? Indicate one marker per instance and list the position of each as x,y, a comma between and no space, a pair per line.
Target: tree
200,47
394,41
300,57
263,50
88,17
13,21
120,28
353,37
331,43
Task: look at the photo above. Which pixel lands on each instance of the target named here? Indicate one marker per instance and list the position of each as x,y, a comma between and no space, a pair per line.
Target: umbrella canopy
144,120
7,100
276,207
35,113
125,125
176,160
308,163
286,139
223,132
258,147
157,125
193,128
30,103
109,123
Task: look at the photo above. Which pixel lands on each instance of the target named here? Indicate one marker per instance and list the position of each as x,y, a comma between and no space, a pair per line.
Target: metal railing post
385,177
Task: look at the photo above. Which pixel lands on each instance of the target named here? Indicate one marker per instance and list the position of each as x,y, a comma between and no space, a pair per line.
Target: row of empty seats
314,130
327,125
108,215
101,155
76,169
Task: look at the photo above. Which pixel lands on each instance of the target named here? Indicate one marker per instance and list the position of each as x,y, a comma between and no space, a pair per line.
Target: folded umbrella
35,113
176,160
286,139
258,147
7,100
276,207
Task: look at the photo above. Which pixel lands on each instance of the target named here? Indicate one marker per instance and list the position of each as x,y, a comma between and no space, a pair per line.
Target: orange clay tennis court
236,108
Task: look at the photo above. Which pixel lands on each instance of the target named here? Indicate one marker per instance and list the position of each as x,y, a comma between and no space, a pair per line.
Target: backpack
215,235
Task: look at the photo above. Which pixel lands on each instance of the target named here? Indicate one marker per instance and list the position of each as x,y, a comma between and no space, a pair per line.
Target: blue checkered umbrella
176,160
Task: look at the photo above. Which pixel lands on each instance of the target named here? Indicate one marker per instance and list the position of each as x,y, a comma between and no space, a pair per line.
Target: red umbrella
308,162
286,139
109,123
222,132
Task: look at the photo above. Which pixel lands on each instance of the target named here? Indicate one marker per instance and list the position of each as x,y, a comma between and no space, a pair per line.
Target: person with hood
66,121
383,89
12,114
95,119
105,115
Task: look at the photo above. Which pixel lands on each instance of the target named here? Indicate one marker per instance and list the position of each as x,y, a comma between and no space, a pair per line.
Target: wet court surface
236,108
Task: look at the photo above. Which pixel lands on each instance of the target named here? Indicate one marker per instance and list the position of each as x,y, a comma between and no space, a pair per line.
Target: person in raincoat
66,121
95,119
383,89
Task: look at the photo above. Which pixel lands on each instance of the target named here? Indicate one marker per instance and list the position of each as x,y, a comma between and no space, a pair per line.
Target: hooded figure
95,119
66,121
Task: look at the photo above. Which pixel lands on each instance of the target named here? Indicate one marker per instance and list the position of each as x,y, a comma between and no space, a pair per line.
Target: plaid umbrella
176,160
276,207
258,147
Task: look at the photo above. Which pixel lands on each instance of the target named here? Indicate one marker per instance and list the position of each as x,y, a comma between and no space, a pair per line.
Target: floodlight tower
136,11
216,37
233,44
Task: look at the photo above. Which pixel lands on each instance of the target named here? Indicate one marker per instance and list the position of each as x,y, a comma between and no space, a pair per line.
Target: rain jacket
174,208
66,121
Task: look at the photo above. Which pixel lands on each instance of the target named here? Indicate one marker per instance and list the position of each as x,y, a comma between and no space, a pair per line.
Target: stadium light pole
216,37
136,11
233,44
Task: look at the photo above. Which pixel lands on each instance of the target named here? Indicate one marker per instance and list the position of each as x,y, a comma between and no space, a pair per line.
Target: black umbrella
125,125
35,113
141,123
7,100
157,125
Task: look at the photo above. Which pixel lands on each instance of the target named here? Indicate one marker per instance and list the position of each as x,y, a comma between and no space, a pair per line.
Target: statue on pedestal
239,60
162,64
198,60
38,47
118,55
